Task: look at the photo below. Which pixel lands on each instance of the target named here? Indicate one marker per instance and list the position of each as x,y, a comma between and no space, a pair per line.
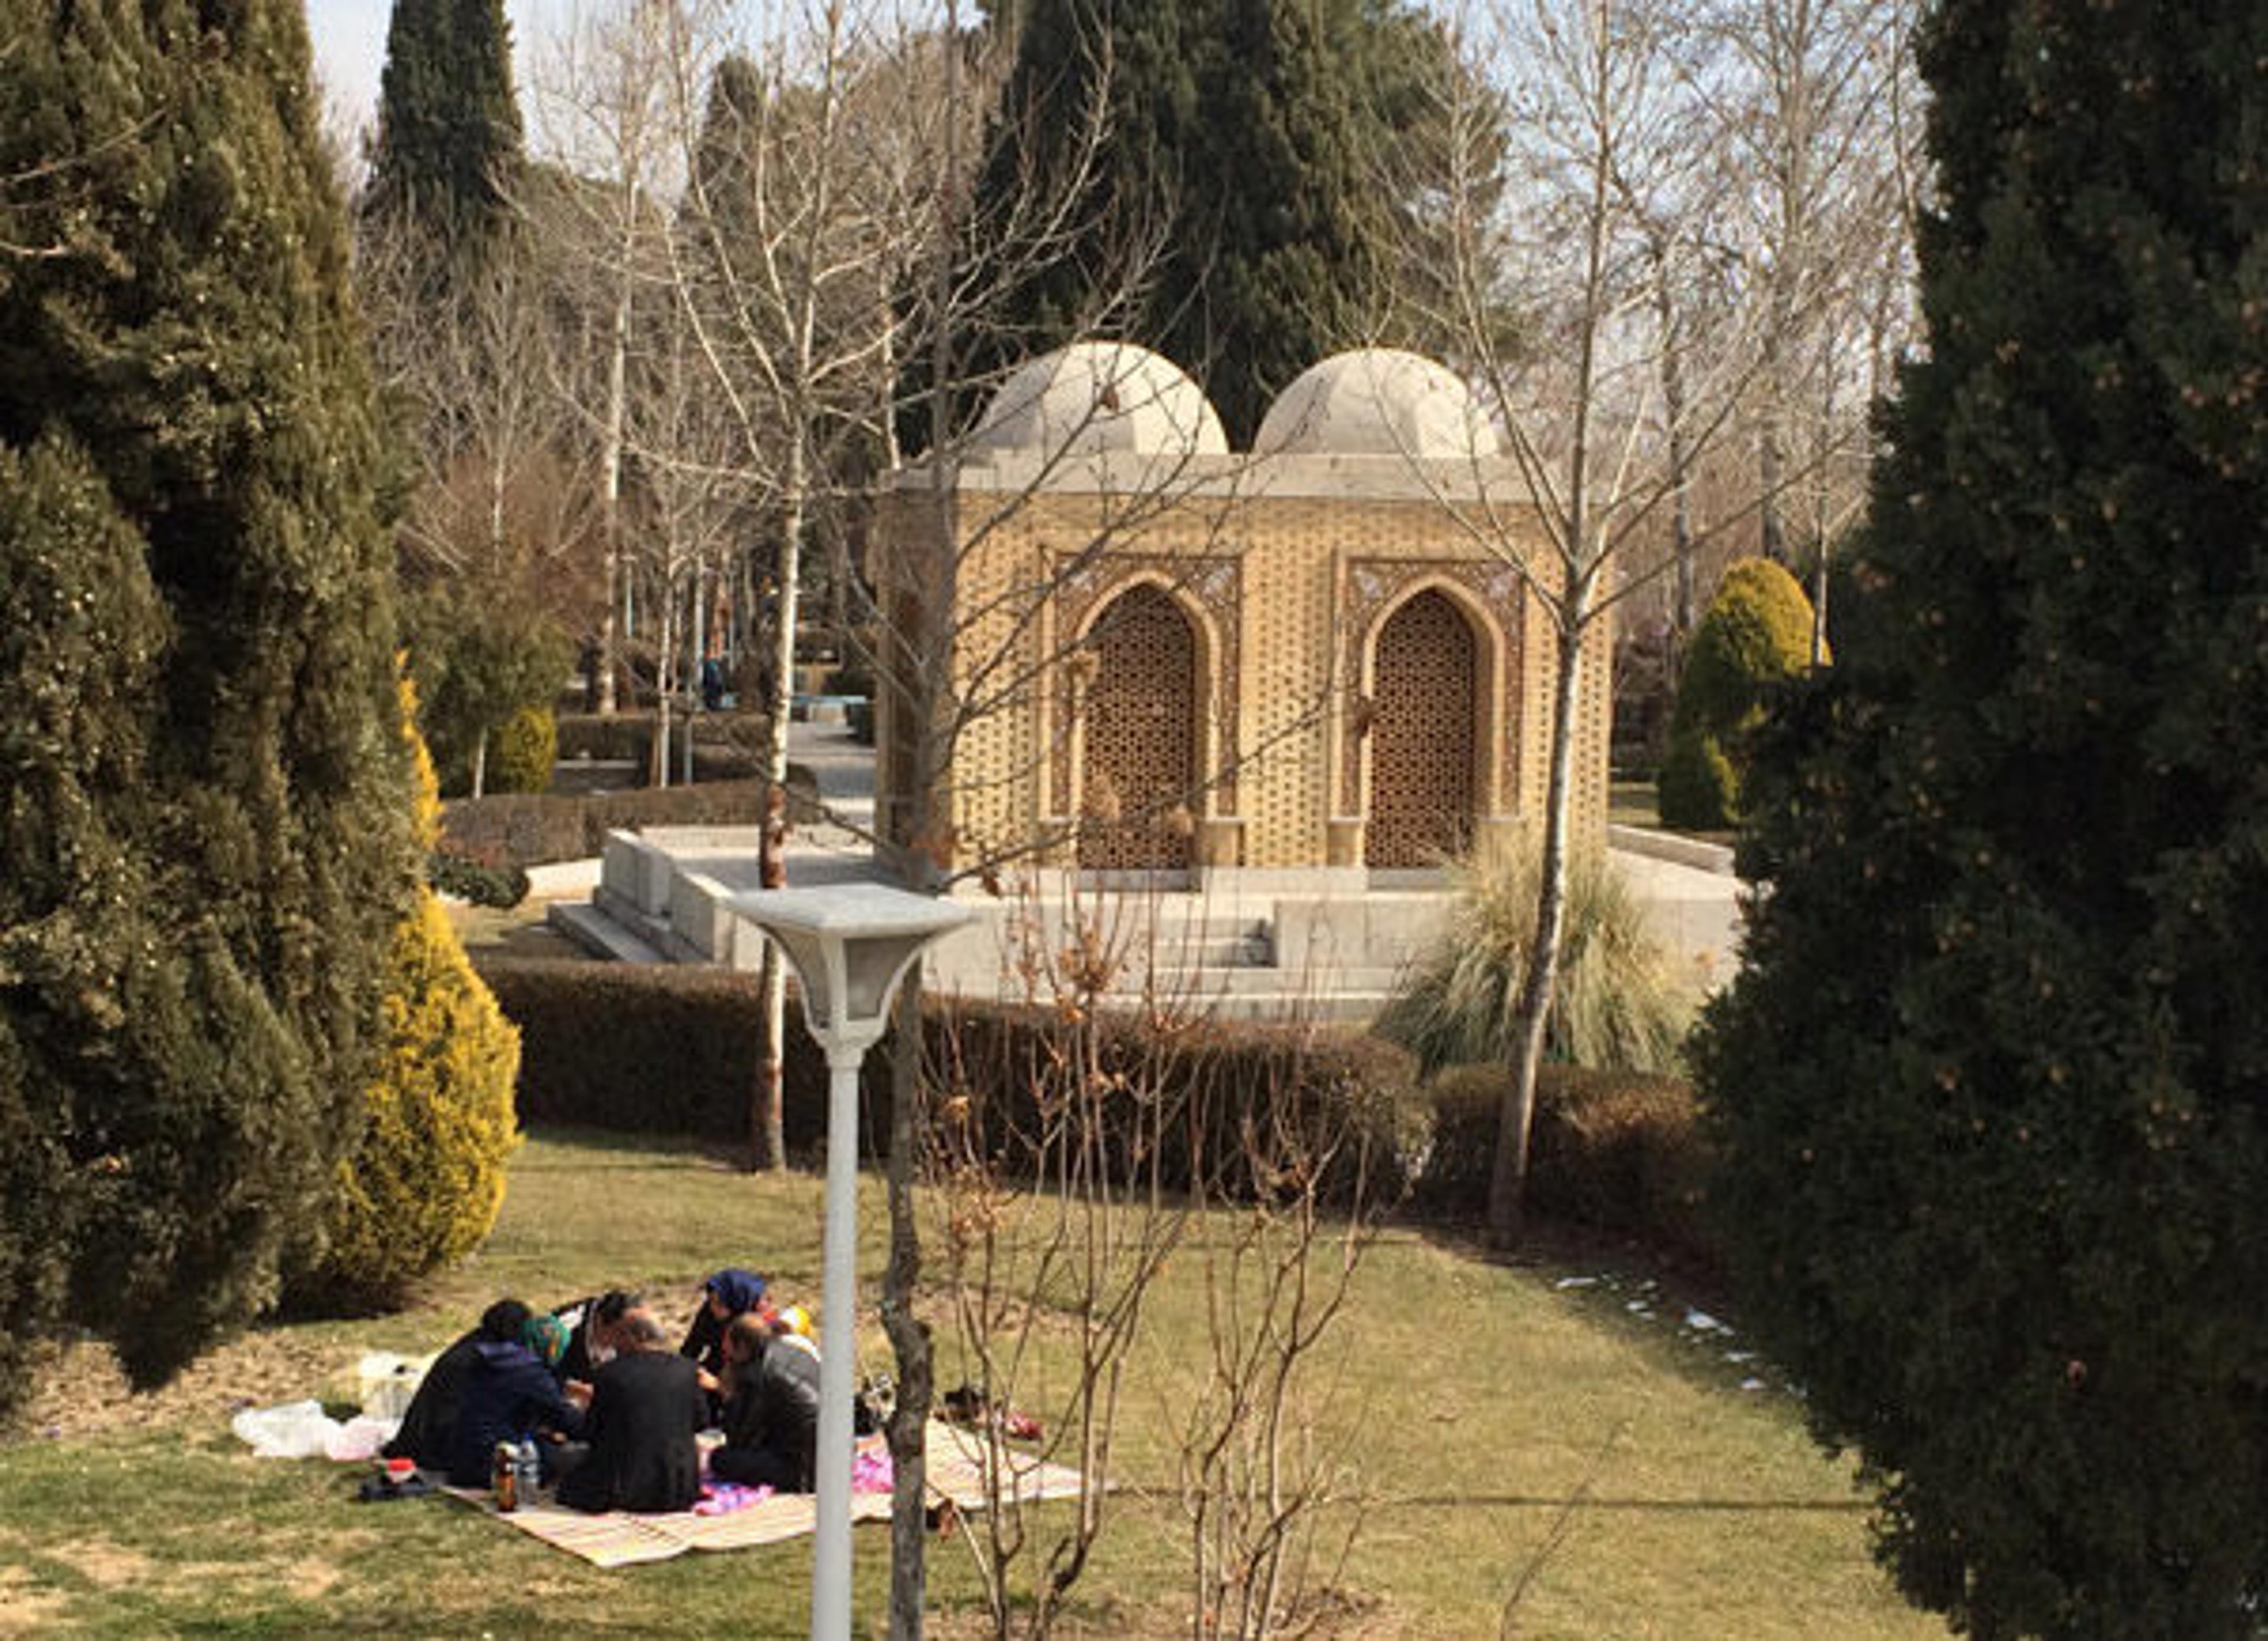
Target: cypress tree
1276,195
1991,1091
448,151
204,808
1216,204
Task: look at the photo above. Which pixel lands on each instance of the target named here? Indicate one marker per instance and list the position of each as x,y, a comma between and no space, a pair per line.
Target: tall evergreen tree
449,143
1205,160
1276,198
1992,1088
203,802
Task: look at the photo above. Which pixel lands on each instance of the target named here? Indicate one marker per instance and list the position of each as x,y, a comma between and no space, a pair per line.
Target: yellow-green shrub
423,1186
524,750
1755,637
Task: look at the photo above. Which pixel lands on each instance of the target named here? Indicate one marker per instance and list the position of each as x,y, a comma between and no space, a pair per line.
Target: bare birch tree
1599,125
1805,96
601,113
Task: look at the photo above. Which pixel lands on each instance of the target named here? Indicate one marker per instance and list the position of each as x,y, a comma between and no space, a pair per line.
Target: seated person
431,1422
772,1408
591,1324
511,1395
646,1407
729,1293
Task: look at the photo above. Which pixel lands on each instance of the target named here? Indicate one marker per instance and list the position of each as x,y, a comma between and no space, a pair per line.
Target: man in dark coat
510,1395
430,1425
646,1407
771,1418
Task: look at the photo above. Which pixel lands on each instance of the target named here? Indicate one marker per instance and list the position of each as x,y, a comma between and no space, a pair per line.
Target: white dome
1096,396
1377,401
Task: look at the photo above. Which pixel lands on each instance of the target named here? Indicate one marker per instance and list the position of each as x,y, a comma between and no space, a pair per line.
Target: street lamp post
850,945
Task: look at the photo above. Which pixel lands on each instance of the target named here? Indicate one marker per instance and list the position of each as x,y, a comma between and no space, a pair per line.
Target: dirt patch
104,1564
79,1390
26,1609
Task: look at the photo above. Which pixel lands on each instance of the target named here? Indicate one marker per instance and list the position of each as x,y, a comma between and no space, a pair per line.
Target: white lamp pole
850,945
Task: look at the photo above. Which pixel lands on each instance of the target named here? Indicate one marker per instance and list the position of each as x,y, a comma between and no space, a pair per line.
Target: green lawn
1467,1403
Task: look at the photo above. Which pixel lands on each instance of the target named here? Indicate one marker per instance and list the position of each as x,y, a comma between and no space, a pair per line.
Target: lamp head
850,944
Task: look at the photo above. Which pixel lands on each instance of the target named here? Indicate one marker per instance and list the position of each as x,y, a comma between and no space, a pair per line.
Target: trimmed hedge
534,828
1246,1097
469,880
665,1049
1615,1150
672,1050
627,737
658,1050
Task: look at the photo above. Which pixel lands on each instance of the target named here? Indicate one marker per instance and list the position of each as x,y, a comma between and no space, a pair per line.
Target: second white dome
1377,401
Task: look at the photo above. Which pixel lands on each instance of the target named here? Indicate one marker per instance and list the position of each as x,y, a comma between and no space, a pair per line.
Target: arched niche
1139,732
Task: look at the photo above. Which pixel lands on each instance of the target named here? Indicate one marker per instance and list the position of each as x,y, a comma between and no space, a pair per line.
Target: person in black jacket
510,1395
429,1424
771,1411
646,1407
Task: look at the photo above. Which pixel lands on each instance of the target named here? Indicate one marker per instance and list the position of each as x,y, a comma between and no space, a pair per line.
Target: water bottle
529,1469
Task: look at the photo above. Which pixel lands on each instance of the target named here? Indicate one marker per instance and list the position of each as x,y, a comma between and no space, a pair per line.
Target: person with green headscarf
511,1396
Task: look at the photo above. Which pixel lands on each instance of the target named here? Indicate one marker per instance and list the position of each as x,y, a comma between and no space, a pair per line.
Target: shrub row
724,743
655,1049
674,1050
1242,1101
662,1049
1613,1151
469,880
532,828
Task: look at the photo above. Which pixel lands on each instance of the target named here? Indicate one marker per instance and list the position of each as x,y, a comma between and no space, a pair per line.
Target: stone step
598,934
1342,1008
1260,982
1196,942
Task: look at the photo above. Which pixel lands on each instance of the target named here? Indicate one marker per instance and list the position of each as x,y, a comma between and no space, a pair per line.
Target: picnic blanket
618,1539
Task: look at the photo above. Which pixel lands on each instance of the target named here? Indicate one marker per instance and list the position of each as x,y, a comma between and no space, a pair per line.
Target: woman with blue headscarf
728,1293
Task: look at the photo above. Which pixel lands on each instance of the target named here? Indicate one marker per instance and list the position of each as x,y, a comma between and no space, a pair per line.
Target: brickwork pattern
1287,596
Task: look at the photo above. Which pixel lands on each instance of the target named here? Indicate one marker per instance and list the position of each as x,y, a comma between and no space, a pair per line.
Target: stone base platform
1239,943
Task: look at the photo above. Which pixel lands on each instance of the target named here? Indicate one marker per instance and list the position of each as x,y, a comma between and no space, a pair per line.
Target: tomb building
1319,658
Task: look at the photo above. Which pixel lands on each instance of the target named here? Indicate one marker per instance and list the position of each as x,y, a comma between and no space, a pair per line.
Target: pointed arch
1140,744
1430,728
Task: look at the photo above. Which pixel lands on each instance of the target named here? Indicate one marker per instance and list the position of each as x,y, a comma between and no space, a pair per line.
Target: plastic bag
296,1429
360,1437
388,1381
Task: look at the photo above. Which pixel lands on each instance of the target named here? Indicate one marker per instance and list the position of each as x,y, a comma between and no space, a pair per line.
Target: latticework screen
1140,770
1421,735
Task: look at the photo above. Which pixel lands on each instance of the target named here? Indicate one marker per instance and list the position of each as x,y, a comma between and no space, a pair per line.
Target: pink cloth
872,1472
722,1498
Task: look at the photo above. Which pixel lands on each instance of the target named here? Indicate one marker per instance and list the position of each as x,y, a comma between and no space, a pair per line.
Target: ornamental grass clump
1618,1005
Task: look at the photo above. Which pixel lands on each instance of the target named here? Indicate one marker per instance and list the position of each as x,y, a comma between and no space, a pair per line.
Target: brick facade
1287,568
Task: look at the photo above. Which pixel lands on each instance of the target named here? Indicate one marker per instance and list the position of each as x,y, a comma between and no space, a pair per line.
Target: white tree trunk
1509,1179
